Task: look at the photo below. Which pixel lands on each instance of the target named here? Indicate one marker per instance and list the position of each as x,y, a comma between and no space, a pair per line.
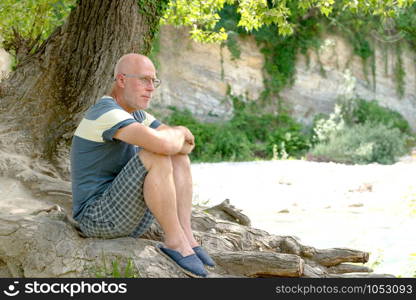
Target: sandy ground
364,207
324,204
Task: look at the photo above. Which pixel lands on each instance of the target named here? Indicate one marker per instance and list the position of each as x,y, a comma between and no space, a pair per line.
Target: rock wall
199,76
196,76
343,74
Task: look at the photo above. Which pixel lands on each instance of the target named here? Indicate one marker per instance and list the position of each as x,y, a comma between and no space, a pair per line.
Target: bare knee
181,161
151,160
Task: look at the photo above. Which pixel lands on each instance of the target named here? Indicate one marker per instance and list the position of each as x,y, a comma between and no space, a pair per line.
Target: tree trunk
43,100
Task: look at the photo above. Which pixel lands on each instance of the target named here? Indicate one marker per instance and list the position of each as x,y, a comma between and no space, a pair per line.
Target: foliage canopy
24,24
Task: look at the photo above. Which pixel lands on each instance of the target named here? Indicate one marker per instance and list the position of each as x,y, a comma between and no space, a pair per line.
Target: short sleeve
109,133
104,126
151,121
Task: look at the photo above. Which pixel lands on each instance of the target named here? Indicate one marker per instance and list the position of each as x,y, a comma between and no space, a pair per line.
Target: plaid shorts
121,210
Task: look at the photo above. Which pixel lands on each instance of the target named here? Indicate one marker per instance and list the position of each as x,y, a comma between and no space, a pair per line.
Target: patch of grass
115,269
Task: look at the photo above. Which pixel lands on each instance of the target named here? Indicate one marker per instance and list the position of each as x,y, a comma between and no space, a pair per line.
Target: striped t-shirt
97,158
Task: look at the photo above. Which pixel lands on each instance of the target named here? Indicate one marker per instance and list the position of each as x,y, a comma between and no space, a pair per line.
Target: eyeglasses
144,80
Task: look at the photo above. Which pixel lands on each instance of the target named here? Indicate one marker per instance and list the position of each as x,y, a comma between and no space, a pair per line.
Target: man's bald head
134,82
130,63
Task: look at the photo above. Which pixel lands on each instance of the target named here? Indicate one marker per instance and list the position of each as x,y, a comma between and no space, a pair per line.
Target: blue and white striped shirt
97,158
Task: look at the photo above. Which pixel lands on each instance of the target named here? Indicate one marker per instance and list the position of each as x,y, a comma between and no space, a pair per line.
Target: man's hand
187,148
189,143
189,137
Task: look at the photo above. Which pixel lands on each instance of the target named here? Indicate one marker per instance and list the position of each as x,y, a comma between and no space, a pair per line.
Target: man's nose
150,87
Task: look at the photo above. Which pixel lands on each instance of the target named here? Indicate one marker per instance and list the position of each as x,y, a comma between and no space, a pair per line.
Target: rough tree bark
43,100
46,244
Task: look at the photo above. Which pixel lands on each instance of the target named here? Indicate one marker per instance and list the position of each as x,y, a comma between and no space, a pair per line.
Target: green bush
267,131
250,134
325,126
203,132
360,131
357,111
290,141
213,141
370,111
362,144
228,144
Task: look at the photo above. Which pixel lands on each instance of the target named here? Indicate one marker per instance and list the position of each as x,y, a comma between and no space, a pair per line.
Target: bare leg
160,197
183,184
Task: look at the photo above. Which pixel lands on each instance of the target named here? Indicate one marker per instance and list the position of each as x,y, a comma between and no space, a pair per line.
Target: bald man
128,168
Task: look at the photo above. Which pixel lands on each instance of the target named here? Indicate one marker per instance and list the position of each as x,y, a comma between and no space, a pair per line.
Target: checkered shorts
121,210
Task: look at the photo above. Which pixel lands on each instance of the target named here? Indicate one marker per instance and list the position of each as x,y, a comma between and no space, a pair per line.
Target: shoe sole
189,273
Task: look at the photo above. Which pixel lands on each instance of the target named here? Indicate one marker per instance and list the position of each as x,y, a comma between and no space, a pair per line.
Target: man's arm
165,140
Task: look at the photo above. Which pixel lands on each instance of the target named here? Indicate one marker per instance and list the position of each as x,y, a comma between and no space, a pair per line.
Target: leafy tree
24,24
34,20
65,51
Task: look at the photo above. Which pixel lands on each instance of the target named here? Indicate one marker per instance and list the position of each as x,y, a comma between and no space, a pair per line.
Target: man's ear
120,80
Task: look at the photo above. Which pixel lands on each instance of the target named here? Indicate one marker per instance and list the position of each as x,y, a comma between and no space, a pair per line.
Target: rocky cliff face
343,74
199,76
196,76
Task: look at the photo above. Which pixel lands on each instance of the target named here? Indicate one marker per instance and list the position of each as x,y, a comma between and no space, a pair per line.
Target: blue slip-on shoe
190,264
204,256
